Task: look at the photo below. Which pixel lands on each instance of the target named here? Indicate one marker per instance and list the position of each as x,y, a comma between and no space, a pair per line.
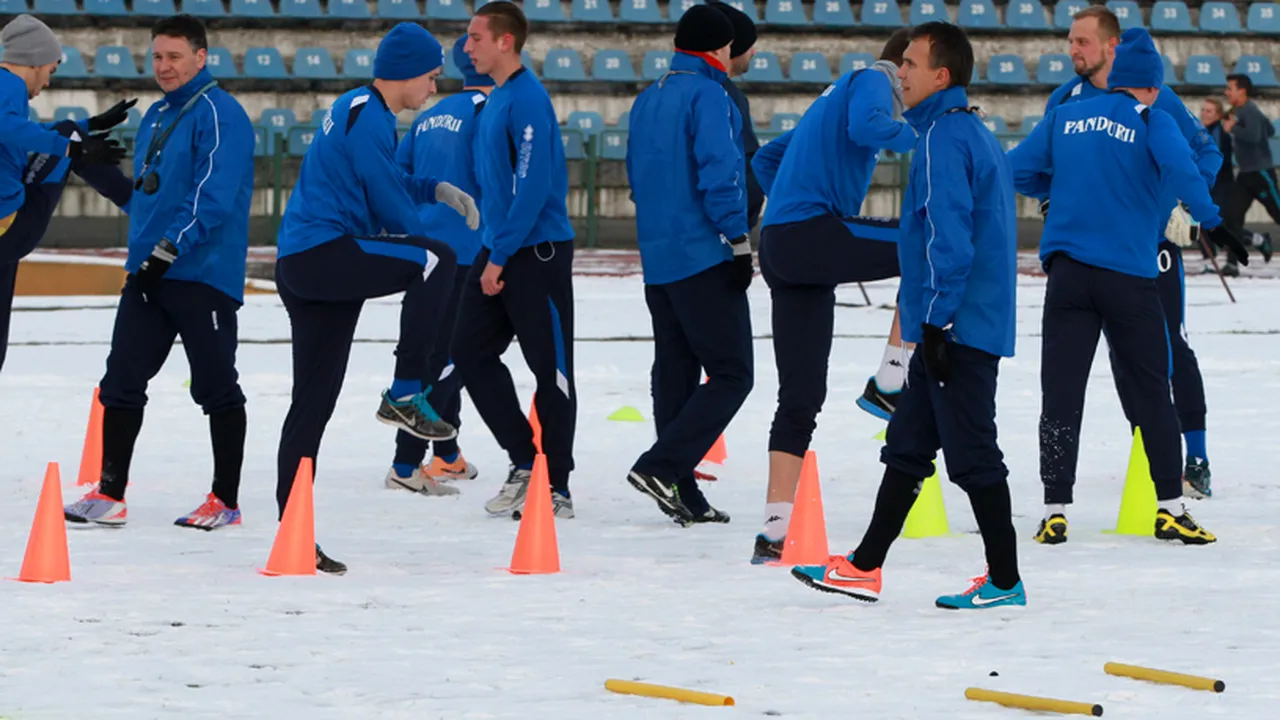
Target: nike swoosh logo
835,575
981,602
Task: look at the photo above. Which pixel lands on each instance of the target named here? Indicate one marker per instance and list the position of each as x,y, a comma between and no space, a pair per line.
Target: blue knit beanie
407,52
1137,63
470,78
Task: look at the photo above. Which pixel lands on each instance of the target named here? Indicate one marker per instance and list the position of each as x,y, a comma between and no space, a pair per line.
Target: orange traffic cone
536,549
807,533
294,551
91,458
47,559
718,453
535,424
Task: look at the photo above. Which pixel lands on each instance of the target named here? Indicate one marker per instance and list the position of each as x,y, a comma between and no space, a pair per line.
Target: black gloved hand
112,116
95,150
1044,208
1223,237
935,353
743,269
154,267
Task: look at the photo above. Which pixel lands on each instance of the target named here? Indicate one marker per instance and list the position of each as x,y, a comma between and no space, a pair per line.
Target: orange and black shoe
841,577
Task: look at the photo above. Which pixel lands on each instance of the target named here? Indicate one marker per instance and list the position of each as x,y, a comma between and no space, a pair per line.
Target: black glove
154,267
743,270
935,353
1044,208
112,116
1225,238
95,150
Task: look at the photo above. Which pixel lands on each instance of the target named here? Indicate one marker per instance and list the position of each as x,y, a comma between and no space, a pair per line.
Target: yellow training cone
626,414
1138,504
928,516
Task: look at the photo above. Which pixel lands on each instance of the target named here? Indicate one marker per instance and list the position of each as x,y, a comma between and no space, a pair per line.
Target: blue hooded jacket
824,165
1109,164
687,172
439,145
520,169
958,244
19,135
206,184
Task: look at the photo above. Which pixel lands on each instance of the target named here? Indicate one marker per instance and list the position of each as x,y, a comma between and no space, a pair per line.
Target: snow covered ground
162,622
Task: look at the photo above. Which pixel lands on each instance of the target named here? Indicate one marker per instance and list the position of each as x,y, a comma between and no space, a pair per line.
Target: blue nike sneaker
984,595
878,402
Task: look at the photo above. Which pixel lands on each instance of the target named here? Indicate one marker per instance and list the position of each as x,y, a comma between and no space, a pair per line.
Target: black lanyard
158,141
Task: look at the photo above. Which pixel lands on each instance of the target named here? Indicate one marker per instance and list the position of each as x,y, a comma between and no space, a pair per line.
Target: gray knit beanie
27,41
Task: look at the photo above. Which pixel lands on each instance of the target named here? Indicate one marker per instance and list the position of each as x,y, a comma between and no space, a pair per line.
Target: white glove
461,202
1181,230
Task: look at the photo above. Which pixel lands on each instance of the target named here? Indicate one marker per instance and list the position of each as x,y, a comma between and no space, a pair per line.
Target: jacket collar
684,62
183,94
935,106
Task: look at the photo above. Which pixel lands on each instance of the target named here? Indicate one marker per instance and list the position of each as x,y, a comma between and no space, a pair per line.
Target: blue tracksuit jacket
440,145
958,242
520,169
19,135
687,172
1108,170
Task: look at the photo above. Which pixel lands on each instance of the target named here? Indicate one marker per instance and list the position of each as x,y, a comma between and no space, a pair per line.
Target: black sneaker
665,494
1265,247
711,515
1053,530
766,550
877,402
1196,478
326,564
415,416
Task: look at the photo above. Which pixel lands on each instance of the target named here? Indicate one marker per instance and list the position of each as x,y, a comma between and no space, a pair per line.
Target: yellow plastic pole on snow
1031,702
627,687
1195,682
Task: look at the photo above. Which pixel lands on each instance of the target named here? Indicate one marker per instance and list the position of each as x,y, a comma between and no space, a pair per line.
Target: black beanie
702,29
744,29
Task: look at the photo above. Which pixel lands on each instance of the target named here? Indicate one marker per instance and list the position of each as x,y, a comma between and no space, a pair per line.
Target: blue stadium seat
252,9
923,11
675,10
856,61
74,113
54,7
782,122
527,60
398,9
220,63
574,143
785,12
300,8
318,116
810,67
976,78
1029,123
765,67
746,6
358,63
100,7
351,9
72,66
114,61
640,11
133,119
203,8
1128,13
299,138
655,64
1007,70
1264,17
542,10
832,13
13,7
613,65
624,120
1259,70
264,64
592,11
259,141
32,114
563,64
1219,17
881,13
613,144
451,70
1171,16
1054,69
314,63
996,124
277,121
1064,12
154,8
1170,72
1025,15
1205,70
978,14
589,122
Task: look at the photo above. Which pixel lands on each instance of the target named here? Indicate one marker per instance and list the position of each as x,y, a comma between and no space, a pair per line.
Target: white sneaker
510,496
561,506
419,483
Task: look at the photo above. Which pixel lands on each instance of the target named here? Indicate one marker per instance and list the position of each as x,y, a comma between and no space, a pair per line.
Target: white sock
777,516
1174,506
1051,509
893,368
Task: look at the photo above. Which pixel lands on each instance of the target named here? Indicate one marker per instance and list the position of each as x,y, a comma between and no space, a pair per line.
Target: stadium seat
114,61
976,78
574,143
220,63
1007,70
613,145
1264,17
259,141
832,13
350,9
655,64
640,11
765,67
299,138
1205,70
264,64
74,113
154,8
314,63
203,8
589,122
398,9
527,60
98,7
1171,16
318,116
1128,13
785,12
358,63
1259,70
856,61
923,11
1054,69
1170,72
13,7
1065,11
592,11
277,121
782,122
978,14
542,10
624,120
996,124
746,6
54,7
1219,17
299,9
613,65
32,114
1025,15
72,66
451,70
810,67
133,120
675,10
881,13
1029,123
252,9
563,64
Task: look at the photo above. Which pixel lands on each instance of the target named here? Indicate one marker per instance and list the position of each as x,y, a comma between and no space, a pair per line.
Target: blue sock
451,457
525,466
1195,444
403,470
401,389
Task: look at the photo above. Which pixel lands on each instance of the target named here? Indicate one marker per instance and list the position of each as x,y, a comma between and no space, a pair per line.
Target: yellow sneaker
1053,530
1182,528
459,469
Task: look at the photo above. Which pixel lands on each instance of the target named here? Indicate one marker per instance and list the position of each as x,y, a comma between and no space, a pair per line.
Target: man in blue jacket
188,237
687,173
1110,164
740,54
957,250
817,176
440,145
521,284
351,232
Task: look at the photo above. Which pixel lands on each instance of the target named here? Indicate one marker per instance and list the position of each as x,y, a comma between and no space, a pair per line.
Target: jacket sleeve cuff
497,257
